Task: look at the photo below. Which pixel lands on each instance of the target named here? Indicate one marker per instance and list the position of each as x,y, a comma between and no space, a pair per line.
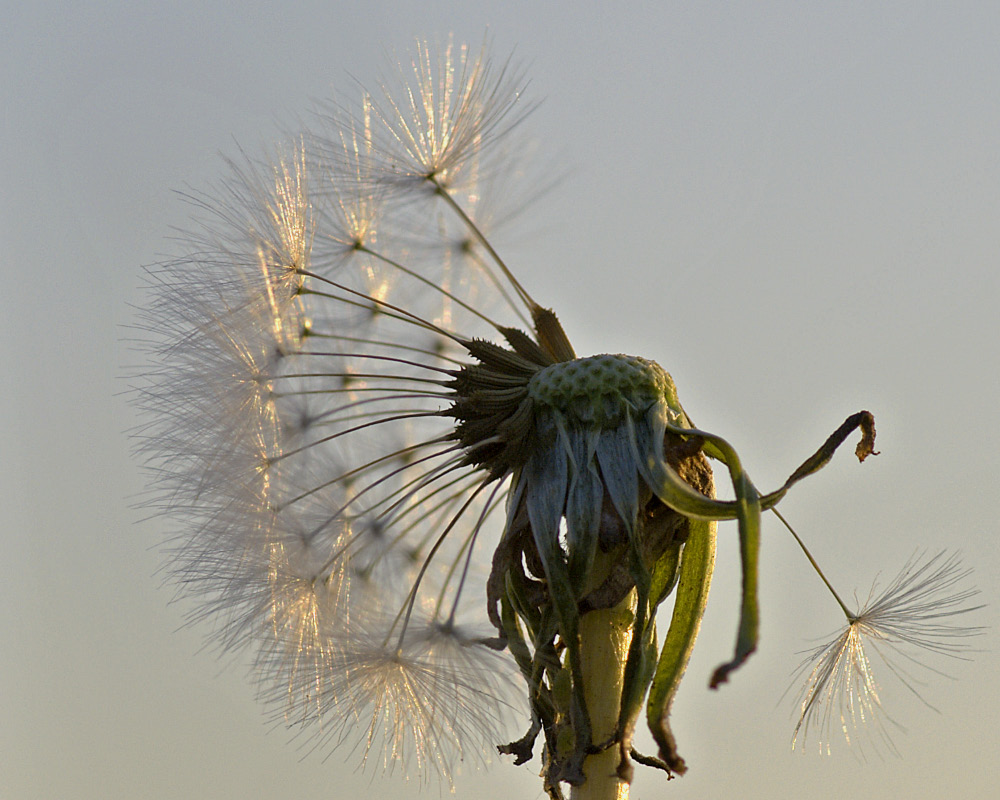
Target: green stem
605,637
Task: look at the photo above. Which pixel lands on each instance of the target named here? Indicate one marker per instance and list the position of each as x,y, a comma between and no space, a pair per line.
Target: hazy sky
793,207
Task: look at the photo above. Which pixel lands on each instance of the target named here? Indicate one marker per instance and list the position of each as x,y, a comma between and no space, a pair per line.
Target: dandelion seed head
366,433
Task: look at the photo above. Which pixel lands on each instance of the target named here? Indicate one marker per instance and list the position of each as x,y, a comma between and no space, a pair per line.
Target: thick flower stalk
393,479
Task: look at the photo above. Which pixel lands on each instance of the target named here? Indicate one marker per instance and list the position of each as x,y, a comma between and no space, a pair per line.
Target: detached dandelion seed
394,482
914,618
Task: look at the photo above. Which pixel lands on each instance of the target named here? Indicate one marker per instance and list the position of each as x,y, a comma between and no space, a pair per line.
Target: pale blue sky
792,206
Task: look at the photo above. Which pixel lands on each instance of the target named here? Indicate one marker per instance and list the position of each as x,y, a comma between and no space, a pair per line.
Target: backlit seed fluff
301,346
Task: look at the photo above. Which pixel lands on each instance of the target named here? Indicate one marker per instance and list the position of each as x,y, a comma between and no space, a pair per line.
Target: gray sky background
793,207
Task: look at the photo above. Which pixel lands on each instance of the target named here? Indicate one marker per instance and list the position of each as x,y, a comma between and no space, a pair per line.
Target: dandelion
915,614
395,483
